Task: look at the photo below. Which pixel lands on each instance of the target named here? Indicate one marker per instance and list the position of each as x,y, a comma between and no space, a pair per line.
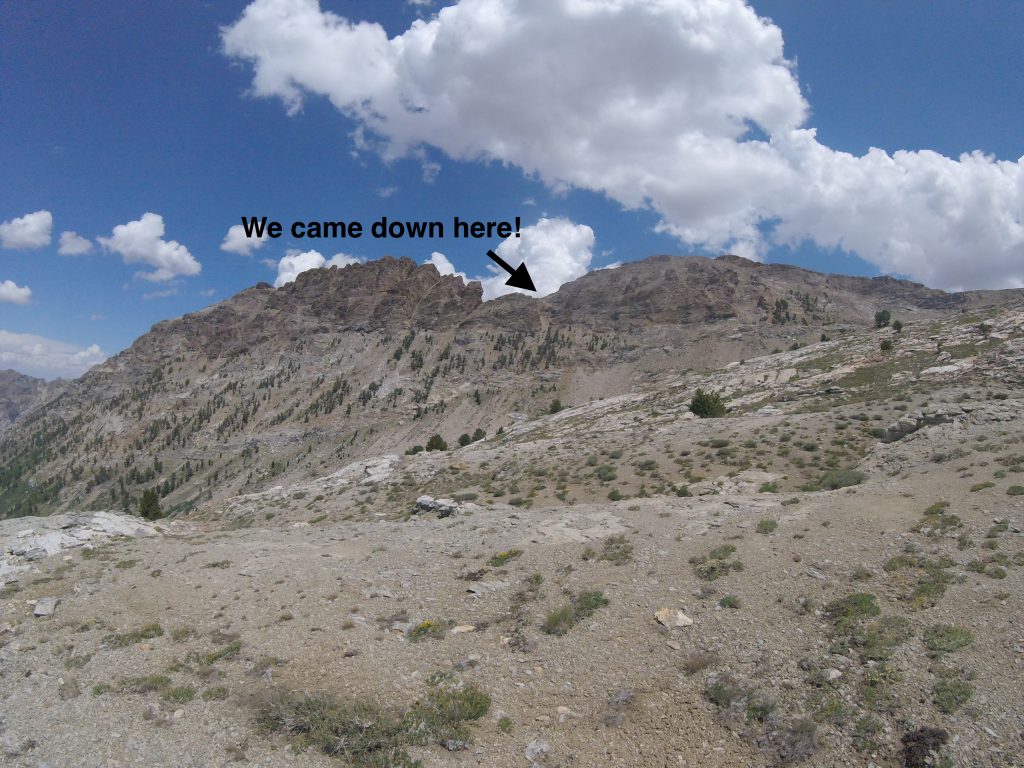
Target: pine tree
149,507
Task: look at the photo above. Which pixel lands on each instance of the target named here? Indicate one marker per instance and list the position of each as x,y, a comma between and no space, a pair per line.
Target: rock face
20,393
20,546
909,424
372,359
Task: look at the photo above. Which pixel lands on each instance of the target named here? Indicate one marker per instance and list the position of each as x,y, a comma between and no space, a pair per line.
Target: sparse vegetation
502,558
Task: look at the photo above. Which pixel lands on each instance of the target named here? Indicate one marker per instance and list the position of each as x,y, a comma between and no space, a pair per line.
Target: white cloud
687,107
14,293
444,265
39,356
295,262
159,294
385,192
236,242
141,242
555,251
73,244
27,232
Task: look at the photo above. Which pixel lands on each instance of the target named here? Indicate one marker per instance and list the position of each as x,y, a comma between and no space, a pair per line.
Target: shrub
882,318
945,638
478,434
886,345
897,326
464,440
436,443
707,405
555,407
580,607
502,558
766,526
835,479
1015,490
919,745
428,629
414,450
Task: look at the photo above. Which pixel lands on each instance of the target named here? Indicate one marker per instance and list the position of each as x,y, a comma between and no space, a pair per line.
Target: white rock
462,629
672,619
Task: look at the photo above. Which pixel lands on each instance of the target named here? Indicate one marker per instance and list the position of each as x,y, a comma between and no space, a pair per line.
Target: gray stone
45,606
442,507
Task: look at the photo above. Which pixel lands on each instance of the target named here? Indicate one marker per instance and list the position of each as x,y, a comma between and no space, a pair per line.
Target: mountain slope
343,363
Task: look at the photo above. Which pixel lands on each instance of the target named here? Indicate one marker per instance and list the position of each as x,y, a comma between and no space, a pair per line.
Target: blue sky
622,130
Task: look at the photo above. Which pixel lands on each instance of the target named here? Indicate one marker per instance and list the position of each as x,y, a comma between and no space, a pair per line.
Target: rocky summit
685,512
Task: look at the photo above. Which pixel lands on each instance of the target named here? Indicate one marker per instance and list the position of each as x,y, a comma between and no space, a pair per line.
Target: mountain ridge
376,357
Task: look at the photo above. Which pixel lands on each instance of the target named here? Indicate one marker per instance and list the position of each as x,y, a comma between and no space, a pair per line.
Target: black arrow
520,277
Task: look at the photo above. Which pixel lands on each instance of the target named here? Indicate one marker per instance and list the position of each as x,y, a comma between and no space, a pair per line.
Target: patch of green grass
125,564
949,695
878,640
766,526
875,688
502,558
581,606
723,690
218,564
182,694
769,487
846,613
729,601
144,684
367,735
1015,490
147,632
946,638
100,688
865,733
981,486
229,651
217,693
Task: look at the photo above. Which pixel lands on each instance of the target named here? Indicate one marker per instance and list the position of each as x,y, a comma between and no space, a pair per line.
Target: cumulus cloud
445,266
141,242
554,250
295,262
236,242
27,232
46,358
14,293
73,244
685,107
